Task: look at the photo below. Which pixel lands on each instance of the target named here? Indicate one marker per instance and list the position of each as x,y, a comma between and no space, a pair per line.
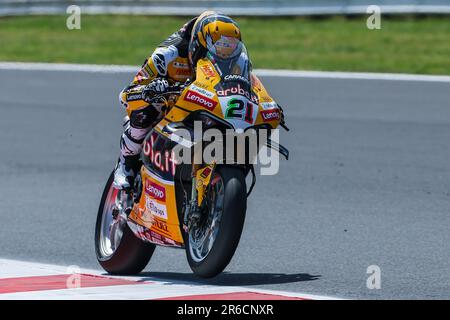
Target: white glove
155,87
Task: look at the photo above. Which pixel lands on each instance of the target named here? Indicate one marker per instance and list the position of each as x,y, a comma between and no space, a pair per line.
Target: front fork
201,177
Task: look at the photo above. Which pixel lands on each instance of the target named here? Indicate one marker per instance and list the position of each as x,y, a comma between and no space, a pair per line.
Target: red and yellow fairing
157,211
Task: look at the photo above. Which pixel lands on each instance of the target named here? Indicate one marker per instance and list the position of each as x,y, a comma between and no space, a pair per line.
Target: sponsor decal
235,77
156,208
202,91
208,70
155,190
160,63
237,90
202,85
155,235
160,225
205,173
134,97
165,162
183,72
269,105
180,65
270,115
200,100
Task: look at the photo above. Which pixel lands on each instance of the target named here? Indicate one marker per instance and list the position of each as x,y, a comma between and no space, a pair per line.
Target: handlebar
283,125
175,89
282,122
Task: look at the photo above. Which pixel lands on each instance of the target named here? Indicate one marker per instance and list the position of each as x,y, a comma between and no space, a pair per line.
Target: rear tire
132,254
230,227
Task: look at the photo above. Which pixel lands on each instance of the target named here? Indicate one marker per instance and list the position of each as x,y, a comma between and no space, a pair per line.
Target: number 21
235,110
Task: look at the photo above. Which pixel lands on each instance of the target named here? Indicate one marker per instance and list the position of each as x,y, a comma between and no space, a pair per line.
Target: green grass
406,45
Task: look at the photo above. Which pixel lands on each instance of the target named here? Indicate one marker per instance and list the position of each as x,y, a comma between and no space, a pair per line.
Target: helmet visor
224,48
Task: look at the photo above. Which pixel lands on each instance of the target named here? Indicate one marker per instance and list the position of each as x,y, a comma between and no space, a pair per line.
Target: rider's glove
156,87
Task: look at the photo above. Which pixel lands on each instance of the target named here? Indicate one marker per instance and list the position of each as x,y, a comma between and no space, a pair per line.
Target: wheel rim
203,236
111,229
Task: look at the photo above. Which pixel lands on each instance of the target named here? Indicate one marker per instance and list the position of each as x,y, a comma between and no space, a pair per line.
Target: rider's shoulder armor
168,63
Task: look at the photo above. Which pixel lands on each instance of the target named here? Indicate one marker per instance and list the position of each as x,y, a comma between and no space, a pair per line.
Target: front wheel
211,243
118,250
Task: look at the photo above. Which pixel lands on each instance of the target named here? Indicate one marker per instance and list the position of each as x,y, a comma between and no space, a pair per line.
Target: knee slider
144,118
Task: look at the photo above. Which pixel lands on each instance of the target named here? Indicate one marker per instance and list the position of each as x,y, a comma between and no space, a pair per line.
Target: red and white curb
36,281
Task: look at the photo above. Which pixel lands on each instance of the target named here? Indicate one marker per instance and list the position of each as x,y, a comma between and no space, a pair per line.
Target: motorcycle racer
174,60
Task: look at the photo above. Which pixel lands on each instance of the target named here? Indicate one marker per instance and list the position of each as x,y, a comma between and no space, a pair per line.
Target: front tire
218,254
119,251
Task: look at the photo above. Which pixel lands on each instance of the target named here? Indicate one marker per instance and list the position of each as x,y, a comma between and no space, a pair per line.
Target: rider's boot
125,172
130,148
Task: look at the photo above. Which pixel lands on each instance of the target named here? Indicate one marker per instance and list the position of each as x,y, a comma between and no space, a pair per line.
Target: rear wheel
211,244
118,250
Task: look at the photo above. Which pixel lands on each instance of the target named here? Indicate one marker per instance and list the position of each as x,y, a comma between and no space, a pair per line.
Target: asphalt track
368,183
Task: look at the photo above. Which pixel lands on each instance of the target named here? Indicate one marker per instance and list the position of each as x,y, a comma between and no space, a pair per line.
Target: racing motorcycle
198,207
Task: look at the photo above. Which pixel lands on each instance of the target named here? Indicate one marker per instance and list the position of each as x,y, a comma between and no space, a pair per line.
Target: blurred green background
405,44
